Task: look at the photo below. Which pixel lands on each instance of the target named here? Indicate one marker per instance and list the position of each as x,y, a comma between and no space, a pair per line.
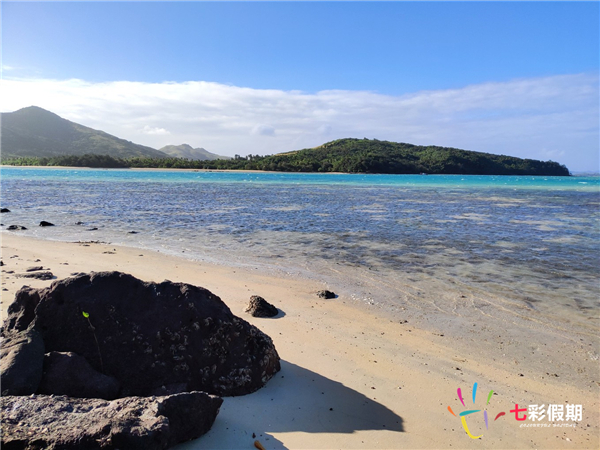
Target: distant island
34,136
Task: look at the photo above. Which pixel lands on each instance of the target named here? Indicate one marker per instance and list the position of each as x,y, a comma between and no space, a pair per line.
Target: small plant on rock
87,316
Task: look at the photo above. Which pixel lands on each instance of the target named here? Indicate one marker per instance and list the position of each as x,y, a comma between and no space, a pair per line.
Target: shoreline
170,169
165,169
388,383
140,169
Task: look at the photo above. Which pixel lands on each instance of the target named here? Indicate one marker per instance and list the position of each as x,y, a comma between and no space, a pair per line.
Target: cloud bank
543,118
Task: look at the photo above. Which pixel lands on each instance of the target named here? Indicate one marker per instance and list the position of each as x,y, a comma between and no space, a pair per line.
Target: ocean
442,245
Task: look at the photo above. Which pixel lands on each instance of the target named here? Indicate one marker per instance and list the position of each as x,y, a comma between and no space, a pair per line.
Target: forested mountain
374,156
33,131
187,152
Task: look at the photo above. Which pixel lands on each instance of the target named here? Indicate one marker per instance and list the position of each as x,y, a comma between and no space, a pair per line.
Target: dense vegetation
343,155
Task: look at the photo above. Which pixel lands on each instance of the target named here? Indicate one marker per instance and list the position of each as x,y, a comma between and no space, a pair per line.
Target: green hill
33,131
186,151
374,156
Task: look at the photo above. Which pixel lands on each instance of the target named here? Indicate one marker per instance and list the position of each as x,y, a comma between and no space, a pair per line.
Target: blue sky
283,75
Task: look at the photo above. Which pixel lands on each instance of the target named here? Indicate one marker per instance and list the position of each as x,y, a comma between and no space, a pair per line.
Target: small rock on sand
37,275
326,294
259,307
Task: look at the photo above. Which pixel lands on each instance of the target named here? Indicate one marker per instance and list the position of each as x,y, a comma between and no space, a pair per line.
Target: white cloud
263,130
324,130
527,117
155,131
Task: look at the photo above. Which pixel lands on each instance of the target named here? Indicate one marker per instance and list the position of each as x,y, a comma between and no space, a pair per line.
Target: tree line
343,155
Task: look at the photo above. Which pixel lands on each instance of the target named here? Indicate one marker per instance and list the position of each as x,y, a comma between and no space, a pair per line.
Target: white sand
349,378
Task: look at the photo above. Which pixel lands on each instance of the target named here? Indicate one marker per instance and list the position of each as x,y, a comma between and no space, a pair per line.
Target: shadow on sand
295,400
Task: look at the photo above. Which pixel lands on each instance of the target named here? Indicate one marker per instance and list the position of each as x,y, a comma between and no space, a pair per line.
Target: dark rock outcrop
326,294
259,307
43,223
16,228
3,210
70,374
57,422
148,335
21,362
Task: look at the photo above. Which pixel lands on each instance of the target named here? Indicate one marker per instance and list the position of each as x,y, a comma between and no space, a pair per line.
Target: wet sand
351,376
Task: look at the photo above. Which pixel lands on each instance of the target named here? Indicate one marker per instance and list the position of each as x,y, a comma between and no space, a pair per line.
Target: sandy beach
351,377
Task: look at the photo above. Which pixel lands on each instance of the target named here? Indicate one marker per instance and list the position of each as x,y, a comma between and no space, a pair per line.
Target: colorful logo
556,415
463,415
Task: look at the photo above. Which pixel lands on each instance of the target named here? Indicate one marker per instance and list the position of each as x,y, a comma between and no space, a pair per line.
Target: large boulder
21,362
148,336
70,374
57,422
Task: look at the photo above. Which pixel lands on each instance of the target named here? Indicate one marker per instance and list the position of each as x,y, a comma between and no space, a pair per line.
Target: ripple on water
527,245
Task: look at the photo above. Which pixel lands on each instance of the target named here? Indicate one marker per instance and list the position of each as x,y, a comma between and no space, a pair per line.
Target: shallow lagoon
528,245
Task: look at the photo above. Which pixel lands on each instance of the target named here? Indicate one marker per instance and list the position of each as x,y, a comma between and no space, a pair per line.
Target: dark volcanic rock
70,374
43,223
58,422
21,360
21,312
16,227
34,269
4,210
36,275
326,294
170,389
149,335
259,307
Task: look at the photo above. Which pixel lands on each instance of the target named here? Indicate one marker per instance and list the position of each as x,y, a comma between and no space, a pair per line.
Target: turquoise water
512,242
485,181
